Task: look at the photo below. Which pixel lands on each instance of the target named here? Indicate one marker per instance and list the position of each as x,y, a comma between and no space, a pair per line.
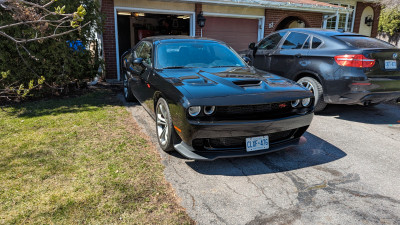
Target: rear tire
164,128
316,87
127,90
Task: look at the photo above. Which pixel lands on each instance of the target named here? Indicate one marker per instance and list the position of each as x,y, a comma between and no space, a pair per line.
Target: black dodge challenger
208,103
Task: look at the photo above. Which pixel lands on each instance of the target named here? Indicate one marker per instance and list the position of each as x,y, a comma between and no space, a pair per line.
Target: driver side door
140,72
265,49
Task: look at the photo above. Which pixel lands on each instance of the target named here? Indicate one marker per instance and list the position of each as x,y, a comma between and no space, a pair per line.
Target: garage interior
134,26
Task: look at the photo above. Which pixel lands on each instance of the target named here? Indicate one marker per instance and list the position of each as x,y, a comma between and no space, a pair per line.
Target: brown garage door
236,32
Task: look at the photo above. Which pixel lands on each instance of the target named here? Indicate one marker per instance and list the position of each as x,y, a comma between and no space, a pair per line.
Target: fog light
306,102
194,110
295,103
208,110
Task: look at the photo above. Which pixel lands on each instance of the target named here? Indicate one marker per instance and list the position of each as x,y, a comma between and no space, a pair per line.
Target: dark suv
339,67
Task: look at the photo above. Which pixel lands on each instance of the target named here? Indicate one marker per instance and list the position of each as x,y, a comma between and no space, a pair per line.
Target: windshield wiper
224,66
174,67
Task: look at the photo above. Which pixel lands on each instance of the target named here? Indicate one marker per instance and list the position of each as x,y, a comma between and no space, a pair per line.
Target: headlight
295,103
208,110
194,110
306,102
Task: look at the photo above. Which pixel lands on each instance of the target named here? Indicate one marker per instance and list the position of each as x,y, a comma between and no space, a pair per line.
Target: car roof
179,38
324,32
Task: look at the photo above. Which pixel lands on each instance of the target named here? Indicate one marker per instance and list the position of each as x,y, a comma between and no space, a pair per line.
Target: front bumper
190,153
204,130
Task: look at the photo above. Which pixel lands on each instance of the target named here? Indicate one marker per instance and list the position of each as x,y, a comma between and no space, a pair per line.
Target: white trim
271,4
261,20
354,18
261,24
232,15
155,11
337,20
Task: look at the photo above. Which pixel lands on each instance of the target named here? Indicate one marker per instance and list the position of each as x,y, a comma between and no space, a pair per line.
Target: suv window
316,42
144,52
307,43
271,41
295,41
364,42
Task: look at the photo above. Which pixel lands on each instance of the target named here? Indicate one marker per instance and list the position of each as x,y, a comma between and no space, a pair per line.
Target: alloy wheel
308,85
162,124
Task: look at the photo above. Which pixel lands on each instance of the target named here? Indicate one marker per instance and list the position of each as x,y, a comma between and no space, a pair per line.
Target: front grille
272,110
237,142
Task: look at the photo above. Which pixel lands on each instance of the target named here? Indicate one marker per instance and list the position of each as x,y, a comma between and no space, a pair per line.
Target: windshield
196,54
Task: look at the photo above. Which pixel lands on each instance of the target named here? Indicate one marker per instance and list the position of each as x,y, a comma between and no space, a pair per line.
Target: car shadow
380,114
315,152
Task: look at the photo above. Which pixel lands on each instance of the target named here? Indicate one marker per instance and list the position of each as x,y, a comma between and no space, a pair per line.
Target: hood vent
247,83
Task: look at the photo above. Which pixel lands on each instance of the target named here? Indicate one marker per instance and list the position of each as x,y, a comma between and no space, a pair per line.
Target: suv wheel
314,86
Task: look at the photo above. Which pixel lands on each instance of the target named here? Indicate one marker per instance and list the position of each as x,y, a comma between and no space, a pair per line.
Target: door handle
298,55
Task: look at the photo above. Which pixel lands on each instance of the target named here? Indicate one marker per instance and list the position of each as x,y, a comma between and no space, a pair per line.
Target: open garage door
134,26
236,32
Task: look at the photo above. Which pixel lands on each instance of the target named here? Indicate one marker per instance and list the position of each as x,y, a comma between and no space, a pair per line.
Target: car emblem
283,105
394,55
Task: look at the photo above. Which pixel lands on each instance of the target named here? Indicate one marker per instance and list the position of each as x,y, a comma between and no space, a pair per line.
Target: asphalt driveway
348,172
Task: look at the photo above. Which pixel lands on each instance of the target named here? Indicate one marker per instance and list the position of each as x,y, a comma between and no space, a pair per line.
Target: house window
343,21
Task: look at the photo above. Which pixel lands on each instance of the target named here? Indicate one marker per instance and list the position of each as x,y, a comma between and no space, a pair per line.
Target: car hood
221,86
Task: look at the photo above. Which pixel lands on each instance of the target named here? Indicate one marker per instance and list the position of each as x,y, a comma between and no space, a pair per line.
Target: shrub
50,61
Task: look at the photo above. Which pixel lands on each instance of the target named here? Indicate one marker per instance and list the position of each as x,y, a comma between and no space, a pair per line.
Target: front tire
316,87
127,89
164,127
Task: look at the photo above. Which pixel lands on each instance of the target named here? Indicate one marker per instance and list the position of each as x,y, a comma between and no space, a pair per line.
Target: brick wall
107,7
359,10
198,8
275,16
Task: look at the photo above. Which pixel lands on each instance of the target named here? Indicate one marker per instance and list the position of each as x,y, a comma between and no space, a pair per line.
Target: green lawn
80,160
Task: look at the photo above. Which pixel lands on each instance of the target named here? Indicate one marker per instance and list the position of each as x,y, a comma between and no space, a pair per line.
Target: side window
294,41
307,43
145,52
137,50
316,42
271,41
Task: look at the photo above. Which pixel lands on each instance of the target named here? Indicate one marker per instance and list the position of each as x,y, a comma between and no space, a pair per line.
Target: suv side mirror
252,45
137,61
246,59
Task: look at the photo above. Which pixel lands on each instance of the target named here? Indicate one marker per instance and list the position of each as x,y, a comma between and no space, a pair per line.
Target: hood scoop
247,83
196,80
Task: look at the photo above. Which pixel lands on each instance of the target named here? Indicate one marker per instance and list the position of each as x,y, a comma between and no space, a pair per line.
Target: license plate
390,64
257,143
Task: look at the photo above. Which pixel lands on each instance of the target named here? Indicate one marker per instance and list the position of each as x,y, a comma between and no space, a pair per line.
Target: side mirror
252,45
246,59
137,61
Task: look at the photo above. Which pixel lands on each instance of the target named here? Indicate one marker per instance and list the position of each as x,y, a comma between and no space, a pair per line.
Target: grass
81,160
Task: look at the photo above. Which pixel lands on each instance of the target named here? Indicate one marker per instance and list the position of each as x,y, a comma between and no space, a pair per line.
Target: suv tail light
354,61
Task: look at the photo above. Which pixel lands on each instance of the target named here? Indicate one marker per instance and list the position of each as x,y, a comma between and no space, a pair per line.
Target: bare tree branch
52,36
27,14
